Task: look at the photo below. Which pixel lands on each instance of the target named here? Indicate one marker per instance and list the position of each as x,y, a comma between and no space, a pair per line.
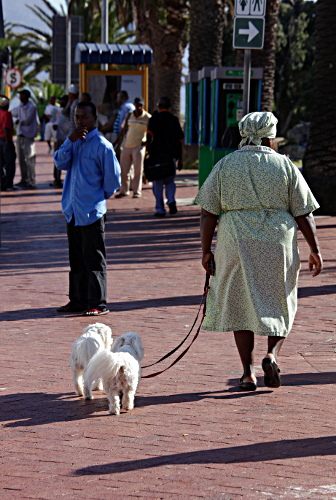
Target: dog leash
203,303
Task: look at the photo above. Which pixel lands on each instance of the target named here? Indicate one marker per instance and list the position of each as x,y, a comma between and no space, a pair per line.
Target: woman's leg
269,363
245,345
274,346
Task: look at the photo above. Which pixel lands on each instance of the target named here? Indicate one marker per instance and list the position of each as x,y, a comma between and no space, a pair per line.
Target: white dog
120,371
94,339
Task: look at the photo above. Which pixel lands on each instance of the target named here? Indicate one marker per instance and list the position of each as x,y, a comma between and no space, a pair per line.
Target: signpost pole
247,81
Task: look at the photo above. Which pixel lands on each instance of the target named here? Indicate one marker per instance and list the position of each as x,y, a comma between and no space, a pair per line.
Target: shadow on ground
255,452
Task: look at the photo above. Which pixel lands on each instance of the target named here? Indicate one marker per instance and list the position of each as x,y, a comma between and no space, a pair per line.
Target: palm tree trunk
206,33
319,164
163,26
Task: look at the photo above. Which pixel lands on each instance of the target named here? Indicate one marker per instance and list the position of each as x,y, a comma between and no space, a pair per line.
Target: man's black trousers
87,256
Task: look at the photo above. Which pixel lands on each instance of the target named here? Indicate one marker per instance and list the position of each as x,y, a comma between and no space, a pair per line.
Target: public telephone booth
218,133
227,106
204,122
192,109
127,69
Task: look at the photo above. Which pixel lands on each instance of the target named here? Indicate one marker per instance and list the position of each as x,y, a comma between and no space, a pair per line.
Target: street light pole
68,49
104,28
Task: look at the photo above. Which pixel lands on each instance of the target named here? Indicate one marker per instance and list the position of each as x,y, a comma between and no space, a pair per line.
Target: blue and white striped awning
112,53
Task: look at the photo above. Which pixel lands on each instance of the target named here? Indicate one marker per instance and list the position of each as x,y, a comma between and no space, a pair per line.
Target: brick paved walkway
192,434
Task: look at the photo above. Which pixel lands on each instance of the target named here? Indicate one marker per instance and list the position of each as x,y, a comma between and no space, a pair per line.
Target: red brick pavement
192,434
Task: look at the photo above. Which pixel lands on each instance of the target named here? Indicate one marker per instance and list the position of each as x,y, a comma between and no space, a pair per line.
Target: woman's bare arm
207,226
307,226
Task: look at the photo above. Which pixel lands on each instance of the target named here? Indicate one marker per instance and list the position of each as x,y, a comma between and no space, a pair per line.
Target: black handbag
160,168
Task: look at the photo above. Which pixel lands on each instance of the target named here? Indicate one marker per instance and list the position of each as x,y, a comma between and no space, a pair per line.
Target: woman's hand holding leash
208,262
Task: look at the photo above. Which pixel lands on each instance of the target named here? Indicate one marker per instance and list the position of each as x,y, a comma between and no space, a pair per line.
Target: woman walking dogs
260,197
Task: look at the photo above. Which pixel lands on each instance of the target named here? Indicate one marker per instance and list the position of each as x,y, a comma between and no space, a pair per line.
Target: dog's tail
104,364
86,348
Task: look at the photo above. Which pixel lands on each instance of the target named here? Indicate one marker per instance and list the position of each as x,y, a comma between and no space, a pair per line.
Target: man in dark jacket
164,139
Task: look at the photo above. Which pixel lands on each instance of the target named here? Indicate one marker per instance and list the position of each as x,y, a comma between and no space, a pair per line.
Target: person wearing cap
7,148
26,119
134,147
259,198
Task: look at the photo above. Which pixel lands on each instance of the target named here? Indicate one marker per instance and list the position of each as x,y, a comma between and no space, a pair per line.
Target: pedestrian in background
92,176
85,96
164,143
125,107
7,148
40,106
62,131
259,197
73,92
26,119
133,150
51,112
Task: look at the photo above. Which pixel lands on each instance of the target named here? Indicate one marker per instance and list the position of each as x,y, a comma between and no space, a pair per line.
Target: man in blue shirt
92,176
125,107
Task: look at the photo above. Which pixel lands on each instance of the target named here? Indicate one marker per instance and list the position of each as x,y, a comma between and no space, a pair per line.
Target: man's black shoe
172,208
69,308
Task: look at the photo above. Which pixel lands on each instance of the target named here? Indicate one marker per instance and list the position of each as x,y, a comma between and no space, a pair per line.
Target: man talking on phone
92,176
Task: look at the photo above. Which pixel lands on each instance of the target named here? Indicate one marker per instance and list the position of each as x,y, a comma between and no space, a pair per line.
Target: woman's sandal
247,386
271,378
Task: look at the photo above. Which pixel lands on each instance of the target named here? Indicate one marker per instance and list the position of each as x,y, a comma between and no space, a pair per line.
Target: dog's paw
114,410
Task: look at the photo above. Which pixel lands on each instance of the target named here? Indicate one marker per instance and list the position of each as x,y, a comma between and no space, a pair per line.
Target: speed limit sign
13,78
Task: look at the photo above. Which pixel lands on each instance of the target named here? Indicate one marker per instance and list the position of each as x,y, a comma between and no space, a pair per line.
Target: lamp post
68,49
104,28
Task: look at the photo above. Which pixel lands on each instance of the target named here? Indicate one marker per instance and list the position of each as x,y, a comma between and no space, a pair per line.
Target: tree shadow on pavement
298,379
255,452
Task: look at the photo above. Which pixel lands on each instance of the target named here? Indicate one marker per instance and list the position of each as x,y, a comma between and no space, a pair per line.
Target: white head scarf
255,126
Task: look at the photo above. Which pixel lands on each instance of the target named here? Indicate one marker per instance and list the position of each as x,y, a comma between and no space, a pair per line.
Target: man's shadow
250,453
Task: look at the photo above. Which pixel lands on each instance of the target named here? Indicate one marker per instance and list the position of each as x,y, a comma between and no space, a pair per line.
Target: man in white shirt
51,111
26,119
134,148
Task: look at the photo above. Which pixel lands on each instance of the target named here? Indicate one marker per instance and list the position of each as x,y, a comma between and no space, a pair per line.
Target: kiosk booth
218,111
128,70
192,109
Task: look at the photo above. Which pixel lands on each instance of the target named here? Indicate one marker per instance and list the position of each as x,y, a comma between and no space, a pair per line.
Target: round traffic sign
13,78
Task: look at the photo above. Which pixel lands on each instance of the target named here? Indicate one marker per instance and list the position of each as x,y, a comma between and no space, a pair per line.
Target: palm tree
319,164
21,59
163,26
37,43
207,18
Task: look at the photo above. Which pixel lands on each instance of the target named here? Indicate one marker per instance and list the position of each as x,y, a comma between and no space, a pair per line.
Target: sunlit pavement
192,433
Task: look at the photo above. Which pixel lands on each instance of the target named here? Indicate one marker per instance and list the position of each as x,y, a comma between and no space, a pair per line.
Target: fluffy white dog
94,339
120,371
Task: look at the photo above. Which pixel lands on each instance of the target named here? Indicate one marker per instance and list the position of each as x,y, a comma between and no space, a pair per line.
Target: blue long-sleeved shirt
27,115
93,175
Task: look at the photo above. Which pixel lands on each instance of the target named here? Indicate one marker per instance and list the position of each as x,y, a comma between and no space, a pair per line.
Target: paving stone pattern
192,433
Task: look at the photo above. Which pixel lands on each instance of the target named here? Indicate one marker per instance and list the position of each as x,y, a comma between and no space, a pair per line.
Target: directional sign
249,24
13,78
255,8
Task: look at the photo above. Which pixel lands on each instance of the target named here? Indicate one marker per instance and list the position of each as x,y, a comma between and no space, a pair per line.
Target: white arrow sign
251,31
